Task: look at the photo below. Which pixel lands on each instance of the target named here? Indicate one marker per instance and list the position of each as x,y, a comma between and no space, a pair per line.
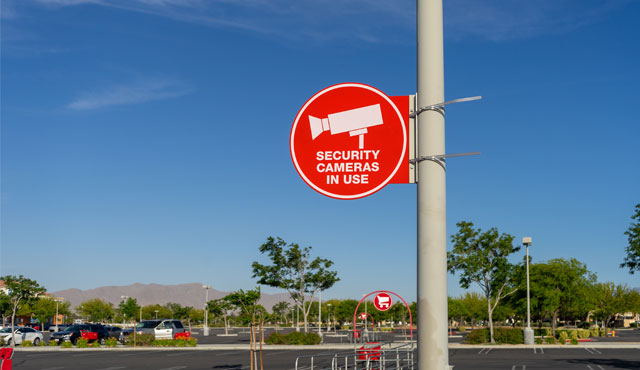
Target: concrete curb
331,346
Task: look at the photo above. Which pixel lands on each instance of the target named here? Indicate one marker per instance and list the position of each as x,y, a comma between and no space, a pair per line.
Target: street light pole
205,332
528,332
320,314
57,301
433,351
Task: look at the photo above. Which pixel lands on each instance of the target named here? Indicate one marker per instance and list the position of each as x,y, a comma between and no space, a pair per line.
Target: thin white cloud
131,94
371,20
504,20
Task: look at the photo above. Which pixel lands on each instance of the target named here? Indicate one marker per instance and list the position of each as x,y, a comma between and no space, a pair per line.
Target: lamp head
526,240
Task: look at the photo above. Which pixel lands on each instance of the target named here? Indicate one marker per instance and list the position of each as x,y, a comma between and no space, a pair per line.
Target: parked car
38,326
160,329
61,327
21,334
114,332
74,332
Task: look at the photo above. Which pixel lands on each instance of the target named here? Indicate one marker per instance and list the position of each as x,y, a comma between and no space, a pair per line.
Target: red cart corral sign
350,140
382,301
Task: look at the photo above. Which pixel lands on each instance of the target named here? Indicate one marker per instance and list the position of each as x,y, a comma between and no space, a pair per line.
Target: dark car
74,332
114,332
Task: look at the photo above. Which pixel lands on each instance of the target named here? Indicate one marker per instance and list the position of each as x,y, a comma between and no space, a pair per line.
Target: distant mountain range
185,294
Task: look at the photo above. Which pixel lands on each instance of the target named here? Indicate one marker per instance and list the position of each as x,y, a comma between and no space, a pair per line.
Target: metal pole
432,223
366,317
205,331
57,301
528,298
528,332
320,314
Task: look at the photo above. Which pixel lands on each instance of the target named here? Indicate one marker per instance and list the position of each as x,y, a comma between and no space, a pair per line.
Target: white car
21,334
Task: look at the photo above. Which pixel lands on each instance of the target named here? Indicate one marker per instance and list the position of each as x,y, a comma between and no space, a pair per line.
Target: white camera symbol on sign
355,121
383,302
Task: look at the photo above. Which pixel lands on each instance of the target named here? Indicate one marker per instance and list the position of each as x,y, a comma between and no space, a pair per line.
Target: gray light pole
156,311
433,352
528,332
58,300
320,314
205,331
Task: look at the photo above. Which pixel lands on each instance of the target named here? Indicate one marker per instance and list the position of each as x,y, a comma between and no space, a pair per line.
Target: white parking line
174,368
84,355
593,351
516,367
485,351
535,350
598,367
178,354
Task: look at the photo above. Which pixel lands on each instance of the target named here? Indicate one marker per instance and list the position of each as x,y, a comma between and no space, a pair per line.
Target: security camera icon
354,121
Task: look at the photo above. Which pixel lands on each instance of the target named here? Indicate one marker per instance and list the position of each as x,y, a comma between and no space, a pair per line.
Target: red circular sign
348,141
382,301
363,316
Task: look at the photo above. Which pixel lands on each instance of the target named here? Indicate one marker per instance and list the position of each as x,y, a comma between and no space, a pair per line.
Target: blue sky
147,140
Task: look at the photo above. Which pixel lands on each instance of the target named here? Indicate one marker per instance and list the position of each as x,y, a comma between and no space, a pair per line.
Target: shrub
633,325
111,342
584,333
275,338
547,332
477,336
574,341
293,338
550,340
594,331
462,328
27,343
563,337
66,344
508,336
144,340
42,343
573,334
603,332
82,343
53,343
538,340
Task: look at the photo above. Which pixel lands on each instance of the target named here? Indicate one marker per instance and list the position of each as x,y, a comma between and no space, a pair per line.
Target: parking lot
585,358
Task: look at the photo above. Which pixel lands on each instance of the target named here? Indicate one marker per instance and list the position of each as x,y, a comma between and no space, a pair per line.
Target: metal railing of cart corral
391,356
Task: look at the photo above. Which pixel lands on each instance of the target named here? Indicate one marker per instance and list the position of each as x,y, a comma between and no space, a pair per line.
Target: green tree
291,269
129,308
632,260
221,307
482,258
281,310
149,312
558,288
5,307
476,305
96,310
457,310
21,291
246,302
610,300
44,308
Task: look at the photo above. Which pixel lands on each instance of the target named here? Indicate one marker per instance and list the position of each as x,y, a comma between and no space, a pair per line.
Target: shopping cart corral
366,356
